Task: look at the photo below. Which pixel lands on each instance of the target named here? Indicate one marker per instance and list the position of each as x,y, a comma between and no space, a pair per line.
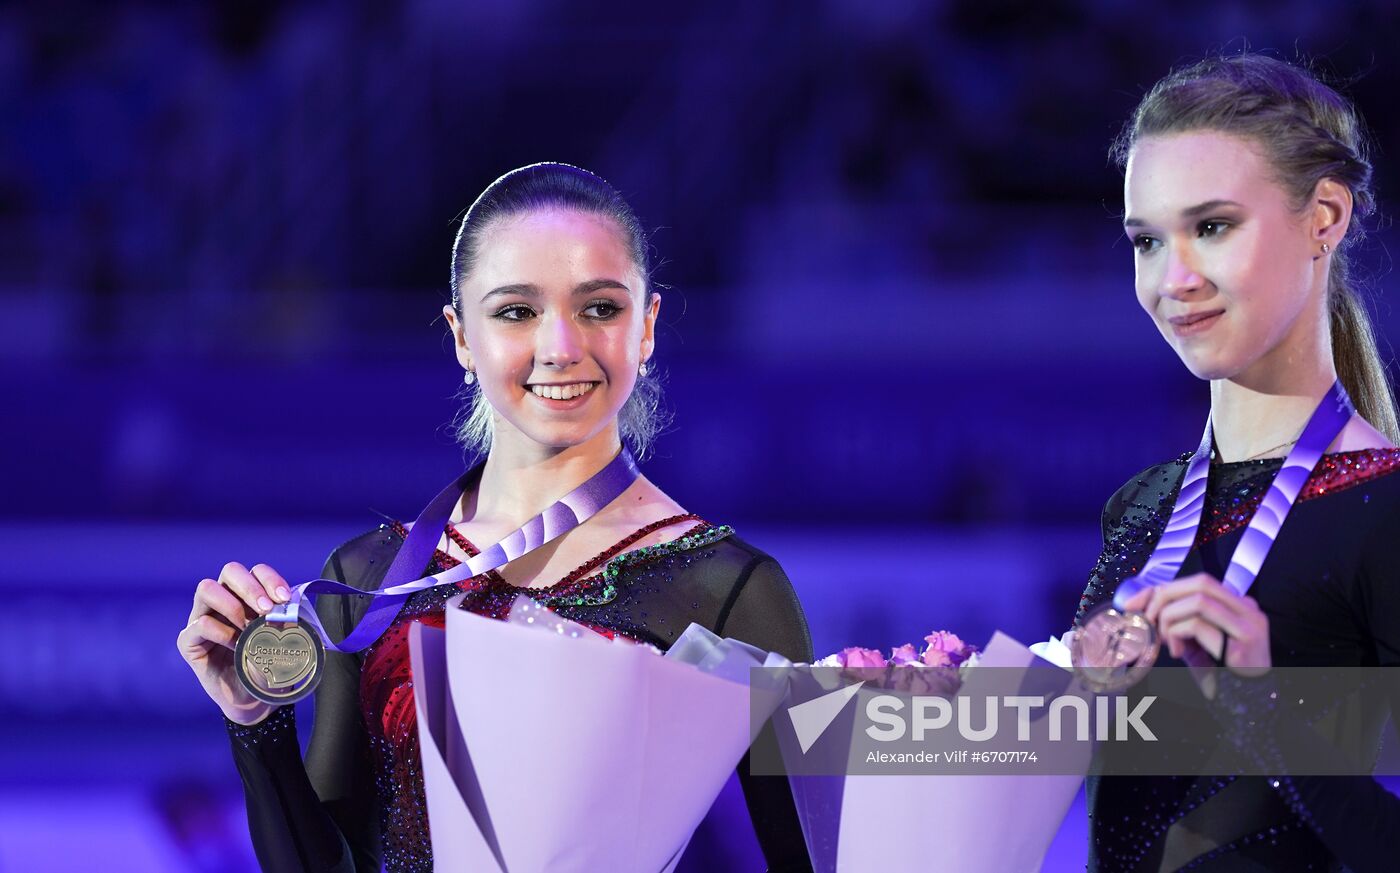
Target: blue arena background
898,315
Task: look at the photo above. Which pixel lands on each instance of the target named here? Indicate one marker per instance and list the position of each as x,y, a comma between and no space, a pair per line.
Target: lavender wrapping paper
928,822
541,741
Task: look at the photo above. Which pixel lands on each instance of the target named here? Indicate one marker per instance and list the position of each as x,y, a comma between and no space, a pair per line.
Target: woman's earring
1326,248
469,377
642,370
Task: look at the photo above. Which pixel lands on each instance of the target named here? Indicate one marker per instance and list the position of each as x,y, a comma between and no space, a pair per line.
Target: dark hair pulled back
546,186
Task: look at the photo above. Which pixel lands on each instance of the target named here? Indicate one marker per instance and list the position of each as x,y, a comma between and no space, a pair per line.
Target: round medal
278,664
1113,649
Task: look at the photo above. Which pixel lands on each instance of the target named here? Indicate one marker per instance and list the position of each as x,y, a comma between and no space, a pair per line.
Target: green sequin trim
613,569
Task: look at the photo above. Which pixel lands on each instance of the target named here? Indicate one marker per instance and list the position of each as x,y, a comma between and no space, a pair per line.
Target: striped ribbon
1327,421
403,575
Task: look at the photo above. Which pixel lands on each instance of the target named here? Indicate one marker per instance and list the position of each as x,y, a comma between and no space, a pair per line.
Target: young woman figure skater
553,320
1245,180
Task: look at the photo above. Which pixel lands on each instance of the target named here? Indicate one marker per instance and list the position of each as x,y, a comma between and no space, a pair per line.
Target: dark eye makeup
596,310
514,312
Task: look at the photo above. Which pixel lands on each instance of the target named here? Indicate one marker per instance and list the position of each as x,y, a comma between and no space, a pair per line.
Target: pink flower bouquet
856,819
938,669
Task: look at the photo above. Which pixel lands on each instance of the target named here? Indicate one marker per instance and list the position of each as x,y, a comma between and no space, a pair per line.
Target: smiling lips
563,392
1194,323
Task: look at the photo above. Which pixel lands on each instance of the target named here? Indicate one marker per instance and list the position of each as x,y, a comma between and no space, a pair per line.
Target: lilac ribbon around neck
1327,421
403,576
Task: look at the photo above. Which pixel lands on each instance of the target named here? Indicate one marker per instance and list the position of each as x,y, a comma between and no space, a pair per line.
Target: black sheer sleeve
762,609
320,815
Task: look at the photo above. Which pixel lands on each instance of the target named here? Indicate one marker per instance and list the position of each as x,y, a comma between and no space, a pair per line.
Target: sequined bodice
1308,589
1234,491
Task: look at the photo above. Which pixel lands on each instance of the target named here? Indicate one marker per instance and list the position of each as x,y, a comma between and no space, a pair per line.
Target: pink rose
949,644
905,654
937,657
857,658
944,641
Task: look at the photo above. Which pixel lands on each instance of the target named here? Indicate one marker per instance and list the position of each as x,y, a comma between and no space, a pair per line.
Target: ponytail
1356,356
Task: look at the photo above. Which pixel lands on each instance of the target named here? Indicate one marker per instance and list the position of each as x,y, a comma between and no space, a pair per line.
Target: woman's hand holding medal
222,609
256,643
1199,616
1206,624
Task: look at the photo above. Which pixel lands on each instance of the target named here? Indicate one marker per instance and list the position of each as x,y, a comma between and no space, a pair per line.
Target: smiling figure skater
1245,182
553,320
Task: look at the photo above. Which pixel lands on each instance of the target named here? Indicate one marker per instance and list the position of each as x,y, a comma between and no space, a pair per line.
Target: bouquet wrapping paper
898,822
548,747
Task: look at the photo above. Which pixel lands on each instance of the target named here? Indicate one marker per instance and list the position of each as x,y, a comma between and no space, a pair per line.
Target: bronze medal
1113,649
278,664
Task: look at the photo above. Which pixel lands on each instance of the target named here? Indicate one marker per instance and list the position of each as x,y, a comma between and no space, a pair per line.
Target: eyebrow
526,289
1189,212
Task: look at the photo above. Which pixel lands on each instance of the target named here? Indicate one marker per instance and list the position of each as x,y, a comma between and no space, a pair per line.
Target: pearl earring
642,370
1326,248
469,377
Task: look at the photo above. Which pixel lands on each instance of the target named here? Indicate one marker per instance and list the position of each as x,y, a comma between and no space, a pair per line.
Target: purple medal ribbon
1179,535
402,577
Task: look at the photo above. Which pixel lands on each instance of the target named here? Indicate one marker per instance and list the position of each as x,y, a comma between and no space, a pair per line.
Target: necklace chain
1272,449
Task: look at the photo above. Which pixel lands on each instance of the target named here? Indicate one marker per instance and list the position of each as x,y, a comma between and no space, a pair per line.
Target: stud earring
1326,248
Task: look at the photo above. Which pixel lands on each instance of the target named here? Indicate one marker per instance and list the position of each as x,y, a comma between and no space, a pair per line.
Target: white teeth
562,392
